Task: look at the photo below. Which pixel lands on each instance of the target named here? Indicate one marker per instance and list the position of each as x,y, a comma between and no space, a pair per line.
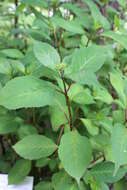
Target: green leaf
91,128
27,91
103,95
94,184
84,62
33,3
5,67
100,141
75,154
116,22
118,37
26,130
12,53
107,124
8,124
104,186
119,116
17,66
46,55
42,162
117,82
119,146
62,179
44,185
34,147
80,95
71,26
19,171
103,172
55,113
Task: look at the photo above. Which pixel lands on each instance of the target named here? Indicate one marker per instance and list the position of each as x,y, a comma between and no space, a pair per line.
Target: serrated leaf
27,91
75,153
46,55
19,171
34,147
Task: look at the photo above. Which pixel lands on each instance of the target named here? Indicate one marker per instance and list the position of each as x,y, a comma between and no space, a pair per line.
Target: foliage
63,93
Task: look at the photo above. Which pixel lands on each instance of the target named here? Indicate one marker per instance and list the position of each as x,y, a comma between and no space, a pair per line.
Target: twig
69,86
60,135
87,42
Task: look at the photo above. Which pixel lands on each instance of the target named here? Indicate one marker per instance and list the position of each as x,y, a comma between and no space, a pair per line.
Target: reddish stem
60,135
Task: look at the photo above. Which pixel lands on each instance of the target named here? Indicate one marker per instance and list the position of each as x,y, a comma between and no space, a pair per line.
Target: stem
16,17
69,86
60,135
67,99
